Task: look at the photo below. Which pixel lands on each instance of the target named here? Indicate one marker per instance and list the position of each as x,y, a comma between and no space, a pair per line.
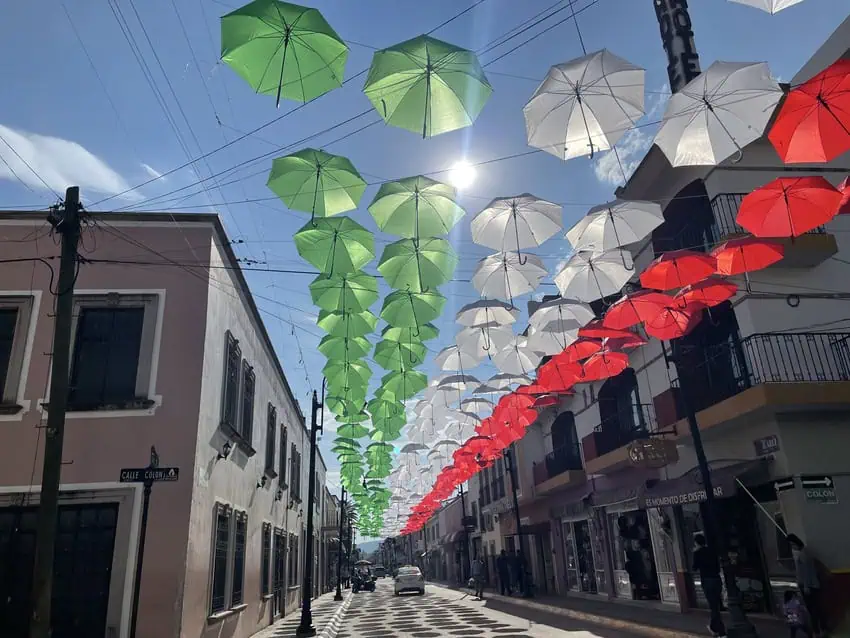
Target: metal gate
81,573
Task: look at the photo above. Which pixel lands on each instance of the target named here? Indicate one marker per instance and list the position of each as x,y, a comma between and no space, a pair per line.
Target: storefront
536,545
580,541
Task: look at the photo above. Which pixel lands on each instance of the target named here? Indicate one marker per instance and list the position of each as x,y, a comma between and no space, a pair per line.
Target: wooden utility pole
65,219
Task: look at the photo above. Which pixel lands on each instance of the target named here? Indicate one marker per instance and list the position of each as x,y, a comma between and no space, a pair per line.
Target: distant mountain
370,547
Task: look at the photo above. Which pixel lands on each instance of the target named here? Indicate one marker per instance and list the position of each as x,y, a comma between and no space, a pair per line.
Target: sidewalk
631,618
327,617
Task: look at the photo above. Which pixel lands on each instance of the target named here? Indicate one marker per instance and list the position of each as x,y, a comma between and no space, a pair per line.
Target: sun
462,175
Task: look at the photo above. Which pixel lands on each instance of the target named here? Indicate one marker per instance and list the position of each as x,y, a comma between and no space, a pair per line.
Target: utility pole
65,219
512,470
338,595
305,628
465,551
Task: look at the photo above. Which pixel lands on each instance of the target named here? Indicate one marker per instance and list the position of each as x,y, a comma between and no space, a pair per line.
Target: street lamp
338,595
524,576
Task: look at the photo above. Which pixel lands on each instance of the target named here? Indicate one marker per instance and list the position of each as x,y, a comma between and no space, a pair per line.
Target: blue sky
79,109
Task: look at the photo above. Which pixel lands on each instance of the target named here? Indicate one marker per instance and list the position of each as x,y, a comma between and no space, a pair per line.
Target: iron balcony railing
722,371
566,458
629,424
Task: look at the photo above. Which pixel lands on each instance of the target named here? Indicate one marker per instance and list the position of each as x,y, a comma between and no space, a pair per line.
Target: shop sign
696,496
819,489
766,445
648,453
677,35
783,485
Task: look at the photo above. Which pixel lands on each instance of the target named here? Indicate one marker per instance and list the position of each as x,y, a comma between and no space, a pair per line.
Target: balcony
614,443
560,468
776,372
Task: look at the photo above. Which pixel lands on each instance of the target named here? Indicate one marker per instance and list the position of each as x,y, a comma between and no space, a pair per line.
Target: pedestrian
478,577
504,570
808,582
795,614
708,567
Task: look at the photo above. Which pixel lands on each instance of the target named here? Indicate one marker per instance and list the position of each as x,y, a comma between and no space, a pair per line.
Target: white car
409,579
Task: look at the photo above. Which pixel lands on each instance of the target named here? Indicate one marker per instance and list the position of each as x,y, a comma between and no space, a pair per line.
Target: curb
332,628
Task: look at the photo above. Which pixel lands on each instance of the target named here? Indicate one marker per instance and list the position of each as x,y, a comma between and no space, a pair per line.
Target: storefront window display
597,549
578,552
663,545
633,556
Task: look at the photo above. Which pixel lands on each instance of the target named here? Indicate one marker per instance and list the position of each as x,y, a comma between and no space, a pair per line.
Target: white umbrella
553,337
718,113
615,224
562,309
486,312
476,404
460,430
517,358
483,341
456,358
585,105
514,223
486,388
587,276
507,275
458,382
771,6
505,380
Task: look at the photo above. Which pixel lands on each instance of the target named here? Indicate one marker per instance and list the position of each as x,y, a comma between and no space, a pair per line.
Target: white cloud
632,146
59,162
152,172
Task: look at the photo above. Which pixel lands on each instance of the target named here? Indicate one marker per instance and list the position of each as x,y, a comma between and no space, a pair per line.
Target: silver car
409,579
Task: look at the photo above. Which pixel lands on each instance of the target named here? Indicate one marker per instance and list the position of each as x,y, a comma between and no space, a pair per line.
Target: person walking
504,569
478,577
795,615
808,582
708,567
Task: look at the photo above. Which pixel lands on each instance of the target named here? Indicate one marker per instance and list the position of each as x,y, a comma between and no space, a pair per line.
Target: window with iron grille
281,468
237,594
221,551
271,431
293,566
266,566
230,388
295,474
246,420
279,559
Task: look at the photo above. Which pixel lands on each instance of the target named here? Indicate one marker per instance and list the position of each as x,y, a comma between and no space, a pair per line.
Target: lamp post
465,549
524,577
305,628
338,595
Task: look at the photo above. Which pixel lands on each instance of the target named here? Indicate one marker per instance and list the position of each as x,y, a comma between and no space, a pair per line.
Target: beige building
166,355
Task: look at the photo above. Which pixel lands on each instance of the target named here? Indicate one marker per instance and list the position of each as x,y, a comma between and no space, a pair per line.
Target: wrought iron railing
565,459
627,425
724,370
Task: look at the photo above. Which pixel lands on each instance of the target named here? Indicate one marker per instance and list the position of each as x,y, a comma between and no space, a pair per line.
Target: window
230,388
292,567
271,430
221,550
266,565
281,468
237,595
246,416
279,559
295,473
15,313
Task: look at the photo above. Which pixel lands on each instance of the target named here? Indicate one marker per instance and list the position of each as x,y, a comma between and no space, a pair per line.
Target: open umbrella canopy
347,324
337,246
344,347
513,223
552,337
508,275
484,341
486,311
404,384
517,358
635,308
416,207
588,276
283,49
427,86
406,309
789,206
674,321
316,182
423,332
677,268
455,358
569,311
738,256
615,224
398,355
708,292
354,291
771,6
418,265
585,105
349,373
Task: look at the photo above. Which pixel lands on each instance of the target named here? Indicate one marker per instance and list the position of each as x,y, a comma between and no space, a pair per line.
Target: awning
570,504
688,488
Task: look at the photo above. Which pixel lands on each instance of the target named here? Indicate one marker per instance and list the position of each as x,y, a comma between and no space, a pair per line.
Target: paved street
442,613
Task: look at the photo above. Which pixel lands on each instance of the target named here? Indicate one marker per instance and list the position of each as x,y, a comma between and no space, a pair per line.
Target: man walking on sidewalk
504,569
706,563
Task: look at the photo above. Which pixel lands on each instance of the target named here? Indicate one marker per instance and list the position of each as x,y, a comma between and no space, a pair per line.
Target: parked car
409,579
380,571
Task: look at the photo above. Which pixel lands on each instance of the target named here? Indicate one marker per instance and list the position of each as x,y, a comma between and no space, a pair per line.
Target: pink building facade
169,350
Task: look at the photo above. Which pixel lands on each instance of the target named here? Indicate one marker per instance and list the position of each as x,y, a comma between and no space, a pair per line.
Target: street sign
766,445
819,489
149,474
783,485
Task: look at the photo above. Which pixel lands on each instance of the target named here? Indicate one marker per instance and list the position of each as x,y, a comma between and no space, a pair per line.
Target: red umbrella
634,308
813,124
789,207
738,256
677,268
844,189
596,330
546,401
604,365
580,349
508,436
708,292
674,322
625,343
559,373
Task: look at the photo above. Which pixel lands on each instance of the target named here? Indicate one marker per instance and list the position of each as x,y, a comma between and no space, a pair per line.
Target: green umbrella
342,444
427,86
354,417
335,246
424,332
406,309
316,182
352,430
385,435
350,390
350,474
283,49
354,292
418,264
339,405
404,384
398,355
380,408
351,373
344,347
347,324
416,207
380,466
